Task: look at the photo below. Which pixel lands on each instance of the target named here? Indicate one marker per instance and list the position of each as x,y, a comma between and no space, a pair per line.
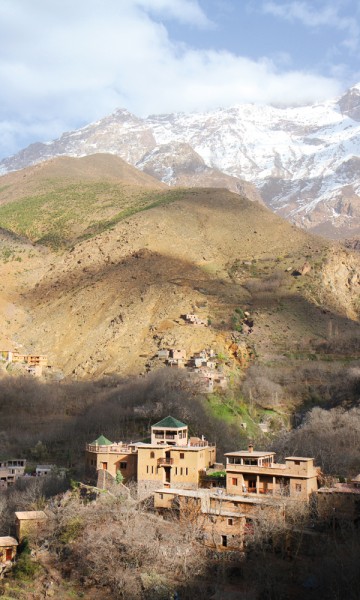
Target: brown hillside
108,304
63,170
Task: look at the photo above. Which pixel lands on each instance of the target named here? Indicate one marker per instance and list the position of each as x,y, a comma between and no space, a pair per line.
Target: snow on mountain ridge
300,158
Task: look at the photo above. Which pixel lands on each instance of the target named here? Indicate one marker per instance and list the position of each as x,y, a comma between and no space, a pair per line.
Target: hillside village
179,478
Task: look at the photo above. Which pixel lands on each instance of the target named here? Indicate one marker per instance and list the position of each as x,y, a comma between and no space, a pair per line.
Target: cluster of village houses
202,367
11,470
34,364
181,475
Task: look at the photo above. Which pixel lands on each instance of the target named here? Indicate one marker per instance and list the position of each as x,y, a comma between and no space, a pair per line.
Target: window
181,471
230,522
182,455
161,496
147,468
297,462
152,454
175,470
234,481
186,471
152,469
224,541
123,465
298,487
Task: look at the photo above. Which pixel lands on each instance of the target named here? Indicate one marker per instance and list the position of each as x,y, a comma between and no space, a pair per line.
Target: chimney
250,448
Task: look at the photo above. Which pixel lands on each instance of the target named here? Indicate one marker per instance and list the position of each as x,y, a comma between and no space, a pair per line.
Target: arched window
152,454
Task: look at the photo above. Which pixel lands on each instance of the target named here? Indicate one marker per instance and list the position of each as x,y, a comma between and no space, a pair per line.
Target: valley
99,267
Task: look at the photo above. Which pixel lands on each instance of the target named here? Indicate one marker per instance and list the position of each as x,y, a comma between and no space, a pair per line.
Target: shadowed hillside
108,304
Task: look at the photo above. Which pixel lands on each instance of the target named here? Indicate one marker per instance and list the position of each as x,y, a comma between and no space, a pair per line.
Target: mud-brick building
340,502
220,526
11,470
110,457
251,472
8,549
29,523
172,459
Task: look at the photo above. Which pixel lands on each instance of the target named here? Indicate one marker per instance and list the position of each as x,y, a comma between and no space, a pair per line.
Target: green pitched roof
102,441
169,422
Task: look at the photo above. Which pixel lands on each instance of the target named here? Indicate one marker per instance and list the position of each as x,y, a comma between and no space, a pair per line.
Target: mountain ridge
302,160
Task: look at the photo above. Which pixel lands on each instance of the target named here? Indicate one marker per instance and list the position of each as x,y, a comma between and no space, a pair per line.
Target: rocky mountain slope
304,161
109,301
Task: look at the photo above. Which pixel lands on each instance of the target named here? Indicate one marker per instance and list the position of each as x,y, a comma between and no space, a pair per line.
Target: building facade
251,472
170,459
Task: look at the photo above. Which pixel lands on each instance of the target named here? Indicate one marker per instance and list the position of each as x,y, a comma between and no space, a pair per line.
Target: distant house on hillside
8,549
340,502
29,522
11,470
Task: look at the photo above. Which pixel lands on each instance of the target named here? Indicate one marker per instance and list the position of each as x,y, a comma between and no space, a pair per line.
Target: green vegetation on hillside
61,216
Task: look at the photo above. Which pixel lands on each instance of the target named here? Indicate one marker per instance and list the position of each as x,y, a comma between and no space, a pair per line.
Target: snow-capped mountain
304,160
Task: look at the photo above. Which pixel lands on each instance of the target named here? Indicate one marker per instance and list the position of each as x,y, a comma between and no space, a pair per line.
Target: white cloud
322,16
64,64
185,11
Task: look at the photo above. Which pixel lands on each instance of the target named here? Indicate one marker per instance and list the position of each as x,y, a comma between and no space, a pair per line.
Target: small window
224,541
161,496
152,469
234,481
175,470
186,471
181,471
152,454
230,522
123,465
147,468
298,487
182,455
297,462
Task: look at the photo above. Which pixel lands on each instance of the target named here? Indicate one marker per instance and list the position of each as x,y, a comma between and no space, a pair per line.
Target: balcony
273,470
114,449
165,462
202,444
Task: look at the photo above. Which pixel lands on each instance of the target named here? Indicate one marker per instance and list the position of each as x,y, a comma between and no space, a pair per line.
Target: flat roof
206,492
172,447
200,493
339,488
7,540
303,458
246,453
30,514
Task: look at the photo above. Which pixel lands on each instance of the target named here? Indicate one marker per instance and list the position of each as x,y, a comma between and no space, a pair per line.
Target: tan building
29,523
111,457
11,470
205,515
172,458
251,472
8,549
30,359
340,502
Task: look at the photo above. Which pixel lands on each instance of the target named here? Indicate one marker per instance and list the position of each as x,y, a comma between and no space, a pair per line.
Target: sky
66,63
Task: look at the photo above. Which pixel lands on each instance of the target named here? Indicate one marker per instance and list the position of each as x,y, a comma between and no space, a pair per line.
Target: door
167,474
8,553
